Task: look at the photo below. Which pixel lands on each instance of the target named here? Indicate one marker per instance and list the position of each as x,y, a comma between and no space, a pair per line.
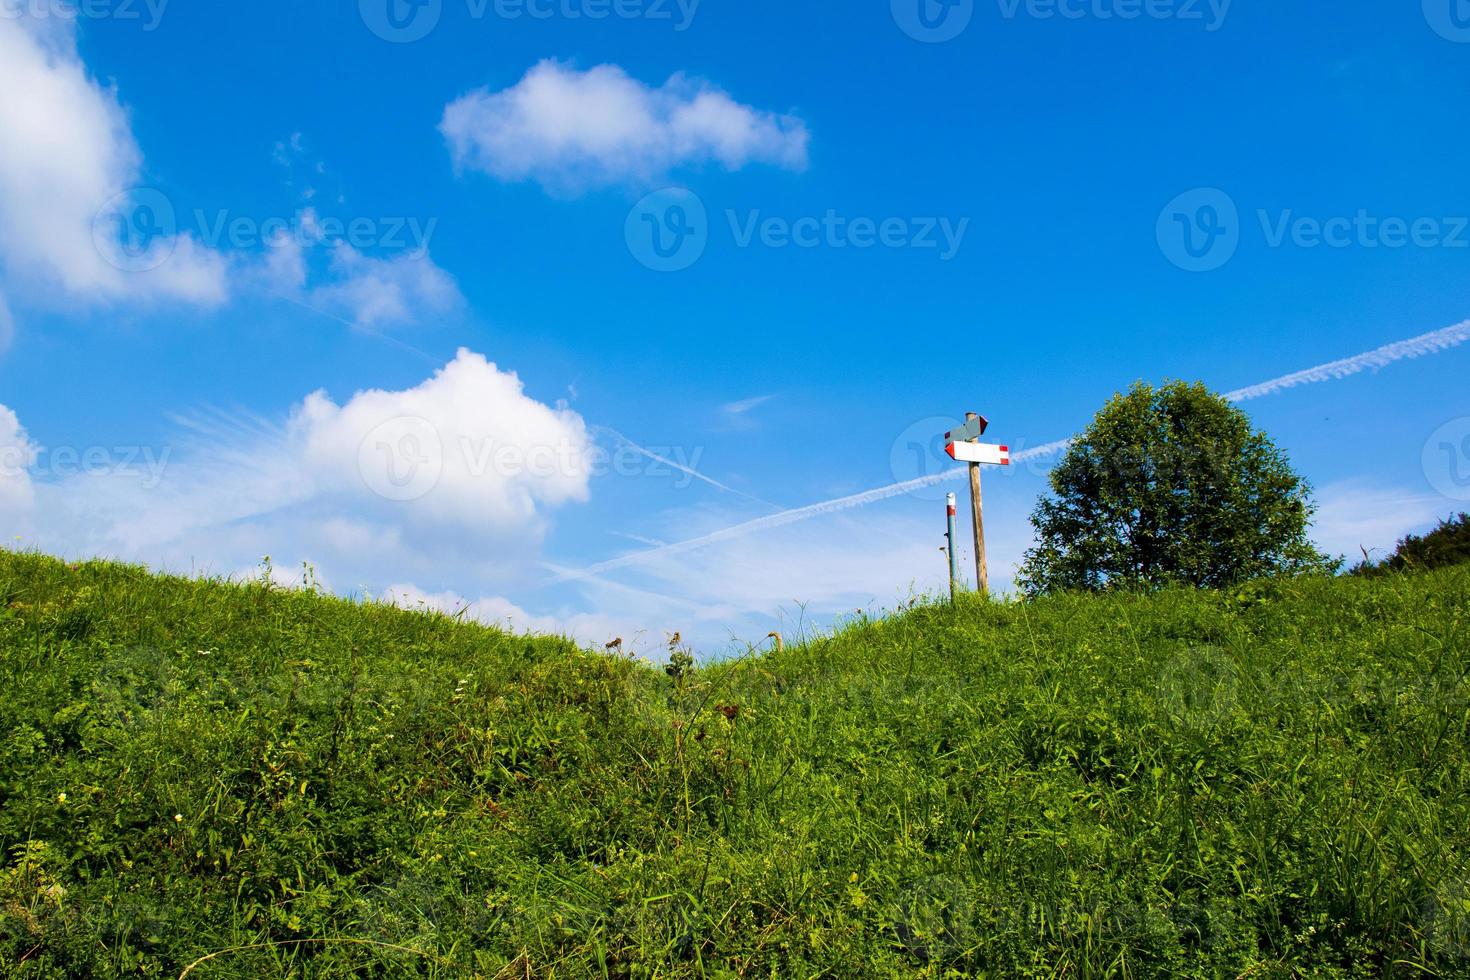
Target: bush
1447,545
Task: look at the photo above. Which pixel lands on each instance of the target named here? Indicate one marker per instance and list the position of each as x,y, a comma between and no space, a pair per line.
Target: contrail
799,514
1421,346
686,470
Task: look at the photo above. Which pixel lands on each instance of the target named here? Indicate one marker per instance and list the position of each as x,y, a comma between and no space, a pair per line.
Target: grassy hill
1269,782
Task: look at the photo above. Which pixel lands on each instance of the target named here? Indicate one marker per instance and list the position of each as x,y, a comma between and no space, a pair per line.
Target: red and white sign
979,452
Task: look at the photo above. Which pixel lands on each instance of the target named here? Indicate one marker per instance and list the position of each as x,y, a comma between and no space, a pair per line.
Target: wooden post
982,571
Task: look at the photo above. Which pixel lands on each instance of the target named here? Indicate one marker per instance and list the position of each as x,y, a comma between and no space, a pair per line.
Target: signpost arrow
977,452
970,431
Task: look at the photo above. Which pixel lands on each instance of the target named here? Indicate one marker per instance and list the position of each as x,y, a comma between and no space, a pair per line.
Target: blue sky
347,230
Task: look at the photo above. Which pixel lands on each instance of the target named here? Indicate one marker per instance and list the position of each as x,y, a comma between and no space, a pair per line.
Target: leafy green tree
1169,484
1448,544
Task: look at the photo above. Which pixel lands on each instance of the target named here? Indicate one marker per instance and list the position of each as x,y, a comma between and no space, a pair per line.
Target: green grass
1272,782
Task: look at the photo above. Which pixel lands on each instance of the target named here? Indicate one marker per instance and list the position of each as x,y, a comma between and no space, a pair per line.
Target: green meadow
210,780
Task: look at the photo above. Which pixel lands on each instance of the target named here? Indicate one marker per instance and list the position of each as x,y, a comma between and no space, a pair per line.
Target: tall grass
1269,782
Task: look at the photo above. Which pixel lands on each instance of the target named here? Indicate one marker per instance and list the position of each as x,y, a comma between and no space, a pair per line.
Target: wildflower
60,797
178,818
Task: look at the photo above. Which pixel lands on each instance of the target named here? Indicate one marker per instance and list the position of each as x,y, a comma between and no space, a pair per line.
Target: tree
1169,484
1447,544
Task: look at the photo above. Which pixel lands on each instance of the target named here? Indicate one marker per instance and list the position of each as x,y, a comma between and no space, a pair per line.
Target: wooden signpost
963,445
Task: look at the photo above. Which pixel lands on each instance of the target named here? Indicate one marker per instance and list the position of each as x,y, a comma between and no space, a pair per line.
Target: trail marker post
954,559
963,445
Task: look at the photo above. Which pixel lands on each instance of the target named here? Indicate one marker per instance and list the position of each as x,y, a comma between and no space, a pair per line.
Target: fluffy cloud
17,454
68,164
374,292
460,472
467,449
365,291
75,225
573,129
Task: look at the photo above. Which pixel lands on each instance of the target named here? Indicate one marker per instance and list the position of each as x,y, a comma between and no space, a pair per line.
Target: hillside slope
1273,781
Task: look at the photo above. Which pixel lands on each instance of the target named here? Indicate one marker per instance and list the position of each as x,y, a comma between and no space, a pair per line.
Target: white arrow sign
978,452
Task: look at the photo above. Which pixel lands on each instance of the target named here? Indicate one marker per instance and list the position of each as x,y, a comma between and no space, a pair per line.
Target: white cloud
68,162
17,454
739,415
374,292
7,326
571,129
364,291
456,476
1352,515
467,448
